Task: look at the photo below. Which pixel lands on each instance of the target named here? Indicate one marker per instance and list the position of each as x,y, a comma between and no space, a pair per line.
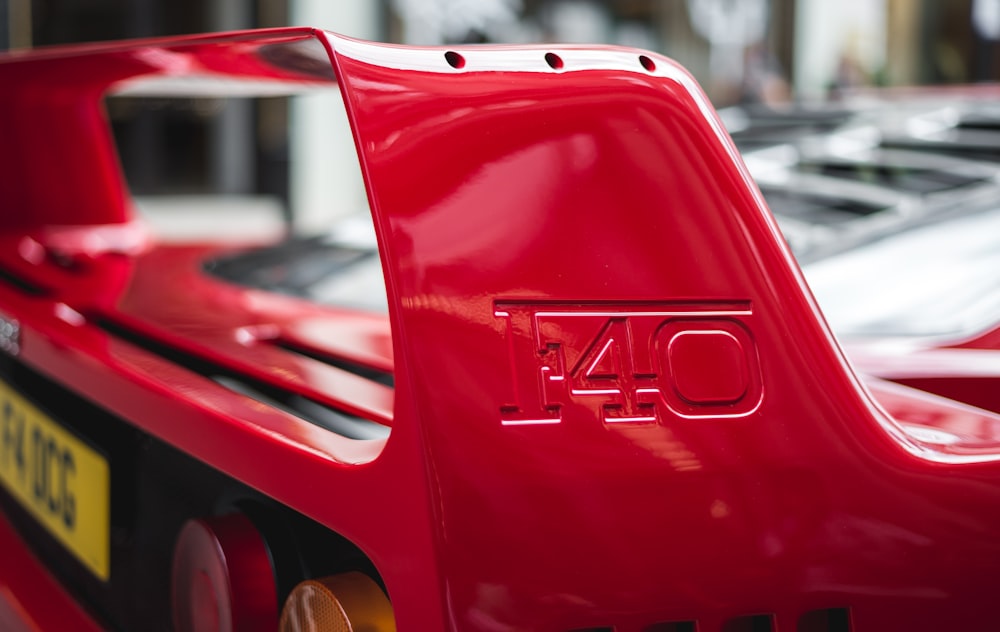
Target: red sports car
579,384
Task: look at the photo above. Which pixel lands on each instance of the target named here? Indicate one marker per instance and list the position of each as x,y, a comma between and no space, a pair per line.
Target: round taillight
350,602
222,579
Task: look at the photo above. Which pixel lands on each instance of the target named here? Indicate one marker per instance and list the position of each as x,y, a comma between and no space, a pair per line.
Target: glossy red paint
564,245
30,599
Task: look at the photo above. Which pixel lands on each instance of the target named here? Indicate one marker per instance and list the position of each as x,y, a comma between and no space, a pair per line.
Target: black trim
361,370
21,284
315,412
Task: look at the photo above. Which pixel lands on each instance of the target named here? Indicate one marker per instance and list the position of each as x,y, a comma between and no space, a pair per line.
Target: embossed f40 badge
630,363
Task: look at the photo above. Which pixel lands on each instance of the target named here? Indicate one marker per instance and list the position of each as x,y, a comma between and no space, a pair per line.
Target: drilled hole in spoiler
317,413
454,59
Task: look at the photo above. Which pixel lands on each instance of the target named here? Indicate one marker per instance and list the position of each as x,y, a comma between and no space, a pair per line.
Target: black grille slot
823,620
985,121
369,373
751,623
318,413
343,424
292,267
967,148
919,180
672,626
817,209
766,127
828,620
21,284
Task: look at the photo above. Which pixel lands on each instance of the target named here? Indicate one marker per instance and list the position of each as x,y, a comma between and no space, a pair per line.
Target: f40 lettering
630,363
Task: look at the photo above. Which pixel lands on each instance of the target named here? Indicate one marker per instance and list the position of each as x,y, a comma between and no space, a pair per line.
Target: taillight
350,602
222,578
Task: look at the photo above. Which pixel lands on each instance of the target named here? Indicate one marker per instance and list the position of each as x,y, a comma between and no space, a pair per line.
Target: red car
598,394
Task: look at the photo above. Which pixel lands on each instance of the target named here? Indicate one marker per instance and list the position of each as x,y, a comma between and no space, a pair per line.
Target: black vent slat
672,626
984,121
828,620
320,414
335,421
955,148
291,267
751,623
20,283
816,208
369,373
919,180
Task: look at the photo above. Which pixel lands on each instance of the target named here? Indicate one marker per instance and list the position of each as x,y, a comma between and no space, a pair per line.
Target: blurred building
740,50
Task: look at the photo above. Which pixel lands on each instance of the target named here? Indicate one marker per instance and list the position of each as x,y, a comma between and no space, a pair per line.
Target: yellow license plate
60,480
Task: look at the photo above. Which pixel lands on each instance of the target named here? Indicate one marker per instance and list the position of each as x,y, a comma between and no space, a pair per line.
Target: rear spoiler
59,167
625,398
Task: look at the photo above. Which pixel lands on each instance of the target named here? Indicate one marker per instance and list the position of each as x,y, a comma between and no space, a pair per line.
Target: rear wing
59,167
627,406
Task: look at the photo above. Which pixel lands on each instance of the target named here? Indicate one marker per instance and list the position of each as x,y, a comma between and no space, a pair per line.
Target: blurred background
741,51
